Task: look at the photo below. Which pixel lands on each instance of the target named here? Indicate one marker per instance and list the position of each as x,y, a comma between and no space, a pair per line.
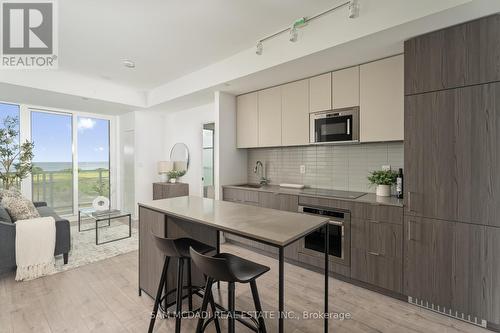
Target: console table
165,190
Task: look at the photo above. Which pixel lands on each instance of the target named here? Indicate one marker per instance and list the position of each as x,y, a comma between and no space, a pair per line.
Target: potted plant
175,174
384,179
15,158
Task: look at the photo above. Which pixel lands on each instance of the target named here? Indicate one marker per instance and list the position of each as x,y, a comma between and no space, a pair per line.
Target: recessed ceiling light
128,63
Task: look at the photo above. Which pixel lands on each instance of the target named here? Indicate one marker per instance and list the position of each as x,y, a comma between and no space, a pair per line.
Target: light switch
302,169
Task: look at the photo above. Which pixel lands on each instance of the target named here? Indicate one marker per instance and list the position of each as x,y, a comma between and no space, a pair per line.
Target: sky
52,132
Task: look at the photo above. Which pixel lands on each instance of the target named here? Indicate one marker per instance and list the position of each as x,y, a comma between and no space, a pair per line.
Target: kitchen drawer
383,213
241,196
381,238
379,270
327,203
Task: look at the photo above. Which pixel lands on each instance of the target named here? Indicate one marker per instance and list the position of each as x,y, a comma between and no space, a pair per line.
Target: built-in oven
334,126
339,233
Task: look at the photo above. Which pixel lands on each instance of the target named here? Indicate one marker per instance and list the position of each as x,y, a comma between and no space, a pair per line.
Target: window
208,160
52,177
93,160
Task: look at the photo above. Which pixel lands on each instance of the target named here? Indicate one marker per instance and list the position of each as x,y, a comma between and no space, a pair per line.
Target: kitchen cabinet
150,257
345,88
241,196
247,121
164,190
381,115
295,115
320,93
458,56
451,154
453,265
279,201
377,253
269,117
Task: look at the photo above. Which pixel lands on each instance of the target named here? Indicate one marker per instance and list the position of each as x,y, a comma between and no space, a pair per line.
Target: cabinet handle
374,253
408,197
409,230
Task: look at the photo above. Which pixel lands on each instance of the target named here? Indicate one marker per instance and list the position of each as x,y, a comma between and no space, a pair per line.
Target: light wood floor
102,297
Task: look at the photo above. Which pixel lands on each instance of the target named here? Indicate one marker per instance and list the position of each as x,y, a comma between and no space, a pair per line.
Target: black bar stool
179,248
230,268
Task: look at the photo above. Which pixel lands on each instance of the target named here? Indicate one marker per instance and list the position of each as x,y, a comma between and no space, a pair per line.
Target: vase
384,190
173,180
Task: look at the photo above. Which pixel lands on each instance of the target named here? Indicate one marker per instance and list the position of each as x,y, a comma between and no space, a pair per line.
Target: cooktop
333,193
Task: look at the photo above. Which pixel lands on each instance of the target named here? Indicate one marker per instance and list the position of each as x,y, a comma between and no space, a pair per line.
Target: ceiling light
294,34
258,48
353,9
128,63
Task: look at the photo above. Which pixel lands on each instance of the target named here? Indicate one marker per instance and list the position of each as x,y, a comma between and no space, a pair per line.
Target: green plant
176,174
383,177
15,159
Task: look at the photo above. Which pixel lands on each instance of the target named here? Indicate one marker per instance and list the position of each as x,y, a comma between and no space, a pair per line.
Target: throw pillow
9,193
19,208
4,216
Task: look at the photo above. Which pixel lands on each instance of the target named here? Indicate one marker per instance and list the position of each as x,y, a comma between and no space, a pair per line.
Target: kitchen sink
250,185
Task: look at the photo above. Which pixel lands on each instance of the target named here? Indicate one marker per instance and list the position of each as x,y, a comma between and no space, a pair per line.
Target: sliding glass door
71,165
93,160
52,177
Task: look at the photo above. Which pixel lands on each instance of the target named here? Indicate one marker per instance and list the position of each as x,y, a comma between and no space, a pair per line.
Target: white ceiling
166,38
186,50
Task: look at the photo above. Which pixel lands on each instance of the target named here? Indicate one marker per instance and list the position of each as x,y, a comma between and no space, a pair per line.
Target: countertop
271,226
369,198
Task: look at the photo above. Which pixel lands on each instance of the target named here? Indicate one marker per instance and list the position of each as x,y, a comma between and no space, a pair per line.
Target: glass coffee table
104,216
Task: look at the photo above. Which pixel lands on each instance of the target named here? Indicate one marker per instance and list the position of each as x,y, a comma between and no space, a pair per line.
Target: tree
15,159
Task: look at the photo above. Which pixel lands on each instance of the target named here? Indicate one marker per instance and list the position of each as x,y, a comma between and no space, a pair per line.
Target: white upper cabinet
270,117
320,93
247,121
345,88
295,113
382,100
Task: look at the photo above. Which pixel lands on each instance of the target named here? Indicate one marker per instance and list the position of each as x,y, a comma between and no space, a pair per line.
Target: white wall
187,126
230,162
149,147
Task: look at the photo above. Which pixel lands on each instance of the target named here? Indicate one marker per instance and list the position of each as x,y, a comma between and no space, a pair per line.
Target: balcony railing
56,188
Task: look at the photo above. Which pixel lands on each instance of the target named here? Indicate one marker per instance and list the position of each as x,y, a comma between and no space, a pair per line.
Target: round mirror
180,156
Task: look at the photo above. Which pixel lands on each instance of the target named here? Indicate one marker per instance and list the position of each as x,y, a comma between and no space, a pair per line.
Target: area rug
84,250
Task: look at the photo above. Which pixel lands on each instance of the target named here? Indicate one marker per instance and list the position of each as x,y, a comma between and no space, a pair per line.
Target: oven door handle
348,126
340,223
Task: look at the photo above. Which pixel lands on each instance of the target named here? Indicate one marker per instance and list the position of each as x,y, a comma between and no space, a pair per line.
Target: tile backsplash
343,167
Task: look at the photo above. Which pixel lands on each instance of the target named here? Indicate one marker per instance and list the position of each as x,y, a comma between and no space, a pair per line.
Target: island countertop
271,226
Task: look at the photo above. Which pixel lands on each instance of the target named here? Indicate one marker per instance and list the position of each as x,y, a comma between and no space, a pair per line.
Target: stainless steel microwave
341,125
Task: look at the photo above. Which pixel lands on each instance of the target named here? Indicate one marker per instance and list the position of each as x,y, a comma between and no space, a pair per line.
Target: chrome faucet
259,170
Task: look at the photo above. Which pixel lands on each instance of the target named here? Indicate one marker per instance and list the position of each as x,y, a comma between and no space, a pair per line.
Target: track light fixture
353,9
352,5
294,34
259,47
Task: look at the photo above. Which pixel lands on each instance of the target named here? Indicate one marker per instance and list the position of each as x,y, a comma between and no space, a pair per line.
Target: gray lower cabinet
375,244
377,253
165,190
150,258
453,265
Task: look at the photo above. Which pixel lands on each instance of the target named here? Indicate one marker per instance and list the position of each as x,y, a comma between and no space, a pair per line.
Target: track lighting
294,34
258,48
353,9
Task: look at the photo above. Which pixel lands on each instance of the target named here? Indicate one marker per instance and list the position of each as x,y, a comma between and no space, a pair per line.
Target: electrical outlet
386,167
302,169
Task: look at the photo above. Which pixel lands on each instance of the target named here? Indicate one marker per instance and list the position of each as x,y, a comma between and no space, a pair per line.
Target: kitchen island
203,219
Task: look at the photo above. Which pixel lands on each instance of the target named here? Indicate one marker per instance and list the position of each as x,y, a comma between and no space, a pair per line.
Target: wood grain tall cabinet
452,163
